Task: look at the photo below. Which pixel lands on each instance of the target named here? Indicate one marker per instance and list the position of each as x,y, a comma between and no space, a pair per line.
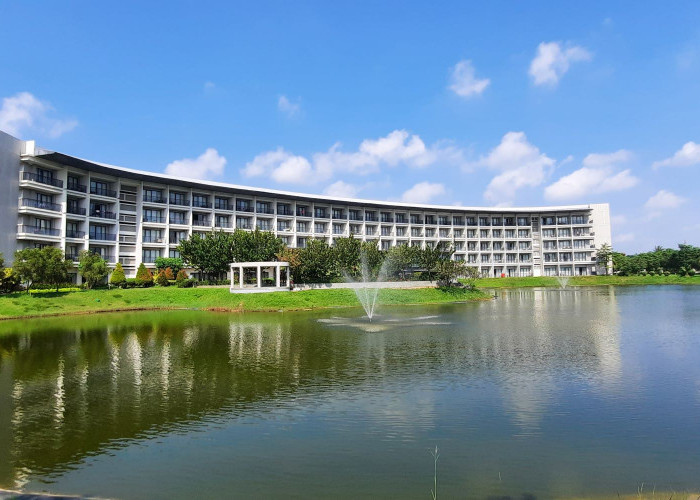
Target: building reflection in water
75,387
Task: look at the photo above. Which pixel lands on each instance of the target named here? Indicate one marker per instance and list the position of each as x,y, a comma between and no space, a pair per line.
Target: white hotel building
132,216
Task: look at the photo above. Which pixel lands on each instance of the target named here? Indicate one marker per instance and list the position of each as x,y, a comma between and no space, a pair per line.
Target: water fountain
367,290
563,281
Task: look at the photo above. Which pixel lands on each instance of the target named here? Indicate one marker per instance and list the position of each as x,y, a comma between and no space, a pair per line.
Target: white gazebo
261,281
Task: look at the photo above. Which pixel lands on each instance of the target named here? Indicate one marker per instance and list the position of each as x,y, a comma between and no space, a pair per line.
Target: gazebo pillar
240,276
277,276
257,268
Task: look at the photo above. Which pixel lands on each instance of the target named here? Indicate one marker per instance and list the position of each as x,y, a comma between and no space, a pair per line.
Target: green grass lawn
542,281
18,305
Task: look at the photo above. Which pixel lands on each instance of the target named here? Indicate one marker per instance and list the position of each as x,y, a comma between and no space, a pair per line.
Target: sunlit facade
131,216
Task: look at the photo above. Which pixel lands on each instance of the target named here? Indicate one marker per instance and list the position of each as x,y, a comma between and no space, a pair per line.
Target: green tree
92,267
316,263
430,258
174,263
372,258
47,265
144,277
255,246
604,256
118,278
347,256
400,259
210,255
162,279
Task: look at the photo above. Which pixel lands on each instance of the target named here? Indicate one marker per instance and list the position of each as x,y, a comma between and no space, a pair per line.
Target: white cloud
618,220
663,200
521,165
25,113
282,166
207,165
463,80
552,61
397,148
624,237
687,156
288,107
341,189
423,192
209,86
596,176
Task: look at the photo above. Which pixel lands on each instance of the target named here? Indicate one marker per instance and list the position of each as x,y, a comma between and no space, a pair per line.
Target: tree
92,267
293,257
255,246
174,263
118,277
161,279
168,272
372,258
47,265
604,256
430,257
449,270
316,263
143,276
181,275
347,256
211,255
401,258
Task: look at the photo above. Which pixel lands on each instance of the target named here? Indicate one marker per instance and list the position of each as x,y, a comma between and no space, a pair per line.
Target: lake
571,392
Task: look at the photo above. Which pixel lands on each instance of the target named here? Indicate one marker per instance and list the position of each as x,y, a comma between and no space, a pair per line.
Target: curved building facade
132,216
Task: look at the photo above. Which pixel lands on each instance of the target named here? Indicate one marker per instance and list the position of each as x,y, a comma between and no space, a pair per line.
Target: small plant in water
436,454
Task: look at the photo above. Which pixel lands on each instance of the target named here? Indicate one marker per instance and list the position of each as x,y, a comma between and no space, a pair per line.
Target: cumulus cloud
463,80
206,166
687,156
397,148
282,166
553,60
341,189
288,107
23,112
423,192
663,200
597,175
521,165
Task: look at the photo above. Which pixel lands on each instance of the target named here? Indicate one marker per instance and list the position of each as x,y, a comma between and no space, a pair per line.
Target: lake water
544,392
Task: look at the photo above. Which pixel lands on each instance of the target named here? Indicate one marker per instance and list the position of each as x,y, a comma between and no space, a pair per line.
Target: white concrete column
277,276
240,275
258,271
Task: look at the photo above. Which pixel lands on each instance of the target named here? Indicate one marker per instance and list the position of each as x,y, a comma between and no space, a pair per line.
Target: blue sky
502,103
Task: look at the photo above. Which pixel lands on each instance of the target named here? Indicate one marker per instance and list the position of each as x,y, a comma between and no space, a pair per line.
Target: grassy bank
18,305
543,281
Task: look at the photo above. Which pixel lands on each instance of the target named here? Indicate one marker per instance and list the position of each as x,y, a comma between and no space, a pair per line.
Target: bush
118,277
186,283
172,263
691,272
9,280
144,277
181,275
168,273
161,279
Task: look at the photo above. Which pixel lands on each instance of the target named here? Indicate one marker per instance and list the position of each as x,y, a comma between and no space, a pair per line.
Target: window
523,233
284,209
152,236
579,256
177,198
444,233
371,215
400,231
338,228
483,221
243,222
524,245
263,207
243,206
547,221
510,245
371,230
283,225
177,236
509,221
510,233
497,246
525,271
416,232
565,233
401,218
550,271
524,257
485,258
150,215
471,221
548,233
457,221
338,213
201,201
471,233
153,195
458,233
565,244
222,221
497,233
549,245
221,204
386,245
415,219
430,219
320,212
485,245
386,217
523,221
578,219
178,218
354,215
319,227
495,221
563,219
264,224
580,243
150,254
550,257
302,227
443,220
471,245
484,233
174,254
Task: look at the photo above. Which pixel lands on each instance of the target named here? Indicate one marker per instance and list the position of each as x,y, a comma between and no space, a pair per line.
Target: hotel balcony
159,199
103,214
43,182
201,204
154,219
103,236
26,204
76,211
75,234
23,230
182,202
99,191
76,186
153,239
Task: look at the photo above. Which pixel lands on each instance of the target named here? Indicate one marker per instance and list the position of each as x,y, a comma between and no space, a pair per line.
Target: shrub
168,273
181,275
173,263
144,277
186,283
118,277
92,267
9,280
161,279
691,272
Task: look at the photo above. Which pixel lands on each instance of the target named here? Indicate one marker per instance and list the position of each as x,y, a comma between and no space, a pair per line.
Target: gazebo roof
280,263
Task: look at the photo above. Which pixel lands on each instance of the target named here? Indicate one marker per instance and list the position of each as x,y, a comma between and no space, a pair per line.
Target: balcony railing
100,191
158,219
302,212
76,210
152,239
42,179
338,215
284,211
44,205
153,198
128,197
178,220
264,227
355,217
223,224
104,256
127,261
244,207
75,234
265,210
201,222
201,204
76,186
103,214
320,214
103,236
73,257
22,228
371,218
223,206
127,238
180,201
243,225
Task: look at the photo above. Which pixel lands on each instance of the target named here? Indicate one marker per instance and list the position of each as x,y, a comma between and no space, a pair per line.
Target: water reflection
76,388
